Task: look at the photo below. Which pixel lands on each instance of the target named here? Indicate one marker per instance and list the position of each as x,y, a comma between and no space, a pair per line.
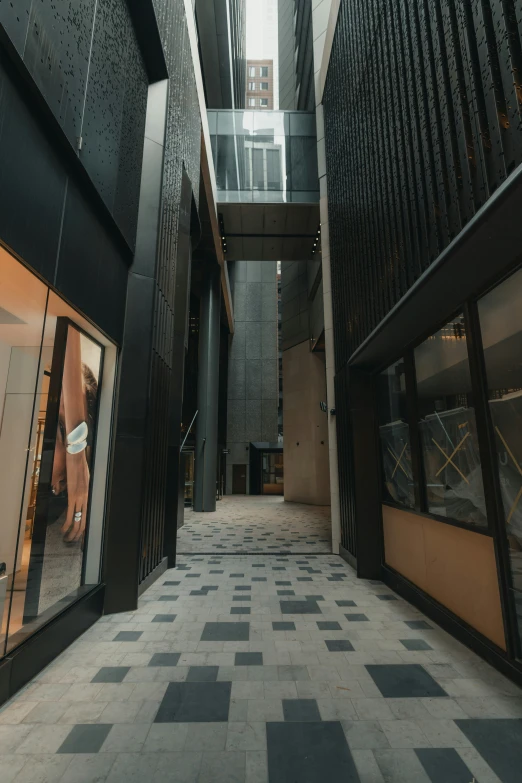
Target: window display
52,380
395,436
447,427
500,314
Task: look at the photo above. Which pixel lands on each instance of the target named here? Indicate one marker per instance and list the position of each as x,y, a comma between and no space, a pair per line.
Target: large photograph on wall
68,420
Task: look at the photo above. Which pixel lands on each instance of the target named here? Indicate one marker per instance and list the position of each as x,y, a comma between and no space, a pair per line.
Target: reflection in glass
273,473
22,310
394,436
447,426
500,314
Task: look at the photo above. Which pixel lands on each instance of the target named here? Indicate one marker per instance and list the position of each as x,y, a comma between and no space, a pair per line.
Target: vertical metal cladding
423,122
182,148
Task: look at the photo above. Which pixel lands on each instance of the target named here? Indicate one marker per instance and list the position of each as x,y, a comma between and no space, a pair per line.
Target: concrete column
320,19
208,393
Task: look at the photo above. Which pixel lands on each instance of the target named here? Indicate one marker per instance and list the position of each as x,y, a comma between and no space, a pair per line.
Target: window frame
261,87
478,381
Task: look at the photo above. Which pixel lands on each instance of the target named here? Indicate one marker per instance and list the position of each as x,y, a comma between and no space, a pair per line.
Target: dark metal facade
422,107
182,148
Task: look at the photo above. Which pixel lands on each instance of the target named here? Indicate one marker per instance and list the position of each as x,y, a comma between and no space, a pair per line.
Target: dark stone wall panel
32,184
57,56
422,123
14,16
105,94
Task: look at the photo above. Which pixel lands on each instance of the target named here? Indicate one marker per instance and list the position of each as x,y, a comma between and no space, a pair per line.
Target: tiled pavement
251,669
257,523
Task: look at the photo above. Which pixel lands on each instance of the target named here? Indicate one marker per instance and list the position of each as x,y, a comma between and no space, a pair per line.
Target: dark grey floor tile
168,597
356,618
164,618
216,572
499,742
401,681
283,584
305,579
192,576
418,625
283,626
85,738
195,702
249,659
226,632
415,644
171,584
314,597
127,636
240,610
285,592
309,753
241,597
387,597
242,587
236,576
339,645
202,674
299,607
328,625
301,710
259,578
165,659
111,674
346,603
444,765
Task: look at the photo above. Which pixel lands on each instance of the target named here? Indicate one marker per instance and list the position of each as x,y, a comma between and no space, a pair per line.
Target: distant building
260,84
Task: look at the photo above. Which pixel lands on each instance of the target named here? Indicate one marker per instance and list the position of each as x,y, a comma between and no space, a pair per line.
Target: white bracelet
77,439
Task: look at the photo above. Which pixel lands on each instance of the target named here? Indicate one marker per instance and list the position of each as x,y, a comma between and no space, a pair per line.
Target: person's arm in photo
76,439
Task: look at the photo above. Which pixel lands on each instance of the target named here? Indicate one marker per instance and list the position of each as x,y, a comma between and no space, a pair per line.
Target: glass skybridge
264,157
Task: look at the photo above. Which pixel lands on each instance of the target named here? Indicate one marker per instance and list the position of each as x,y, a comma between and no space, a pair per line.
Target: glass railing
264,156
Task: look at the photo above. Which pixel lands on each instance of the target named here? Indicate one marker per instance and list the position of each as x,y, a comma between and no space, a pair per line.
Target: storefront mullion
413,419
492,490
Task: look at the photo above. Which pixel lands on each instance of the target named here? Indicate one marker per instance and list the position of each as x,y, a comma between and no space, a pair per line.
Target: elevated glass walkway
265,156
267,182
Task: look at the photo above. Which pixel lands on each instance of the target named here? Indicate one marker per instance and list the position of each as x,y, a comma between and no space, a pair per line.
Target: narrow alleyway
264,669
257,523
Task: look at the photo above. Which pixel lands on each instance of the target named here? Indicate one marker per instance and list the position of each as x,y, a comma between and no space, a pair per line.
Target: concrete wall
307,475
253,362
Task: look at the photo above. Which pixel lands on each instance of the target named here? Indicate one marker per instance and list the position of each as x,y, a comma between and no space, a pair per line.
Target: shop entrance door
239,479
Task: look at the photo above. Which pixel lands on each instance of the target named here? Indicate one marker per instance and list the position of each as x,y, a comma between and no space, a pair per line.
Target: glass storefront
444,475
500,313
56,388
447,428
395,436
272,479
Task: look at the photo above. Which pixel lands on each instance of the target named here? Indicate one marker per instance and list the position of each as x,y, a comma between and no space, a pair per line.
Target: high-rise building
296,55
221,28
260,84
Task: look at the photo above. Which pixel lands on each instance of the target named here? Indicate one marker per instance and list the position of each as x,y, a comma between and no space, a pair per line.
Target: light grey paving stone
126,738
87,768
133,768
165,737
367,766
245,736
11,764
225,767
400,766
43,768
365,734
16,711
180,767
43,739
206,737
256,767
46,712
404,734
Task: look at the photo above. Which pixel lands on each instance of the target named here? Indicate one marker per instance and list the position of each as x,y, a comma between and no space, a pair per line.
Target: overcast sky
261,35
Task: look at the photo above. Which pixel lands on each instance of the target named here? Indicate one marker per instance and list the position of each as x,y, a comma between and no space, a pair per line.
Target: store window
263,70
251,85
263,102
252,70
53,379
251,101
263,86
447,427
500,314
395,437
